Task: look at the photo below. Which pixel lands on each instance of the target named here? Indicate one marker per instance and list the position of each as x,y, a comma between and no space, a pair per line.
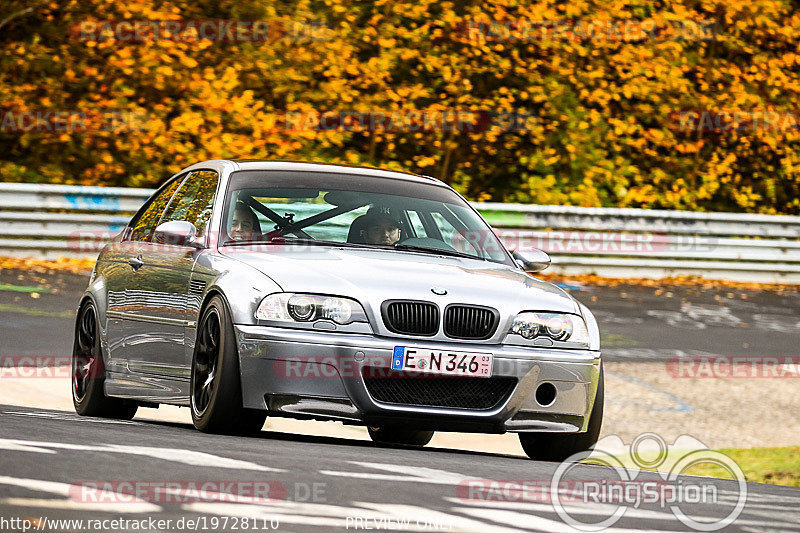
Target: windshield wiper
437,251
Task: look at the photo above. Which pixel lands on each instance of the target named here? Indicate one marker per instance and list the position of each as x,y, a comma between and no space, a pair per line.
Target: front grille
411,317
469,321
408,388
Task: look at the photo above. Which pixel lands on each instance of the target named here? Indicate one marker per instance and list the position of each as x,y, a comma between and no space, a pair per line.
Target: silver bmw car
247,289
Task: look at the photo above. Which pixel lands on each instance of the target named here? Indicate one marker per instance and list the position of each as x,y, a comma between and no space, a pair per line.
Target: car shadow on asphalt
327,440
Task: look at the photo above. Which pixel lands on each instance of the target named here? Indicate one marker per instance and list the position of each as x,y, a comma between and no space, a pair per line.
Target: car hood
375,275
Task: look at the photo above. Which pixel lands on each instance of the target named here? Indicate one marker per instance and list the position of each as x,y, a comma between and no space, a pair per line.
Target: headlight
291,307
301,308
556,326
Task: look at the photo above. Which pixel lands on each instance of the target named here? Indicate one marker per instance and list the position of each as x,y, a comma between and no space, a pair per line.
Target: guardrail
49,221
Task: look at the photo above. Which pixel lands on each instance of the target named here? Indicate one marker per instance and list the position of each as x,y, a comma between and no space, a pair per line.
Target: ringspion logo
673,491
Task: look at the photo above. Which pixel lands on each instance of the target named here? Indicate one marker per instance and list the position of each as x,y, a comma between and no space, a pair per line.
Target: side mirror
176,233
532,261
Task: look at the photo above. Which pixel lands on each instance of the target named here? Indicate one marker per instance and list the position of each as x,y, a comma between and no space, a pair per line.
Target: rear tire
216,385
560,446
88,372
398,435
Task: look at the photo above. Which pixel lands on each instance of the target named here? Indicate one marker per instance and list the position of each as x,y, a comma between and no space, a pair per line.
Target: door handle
136,262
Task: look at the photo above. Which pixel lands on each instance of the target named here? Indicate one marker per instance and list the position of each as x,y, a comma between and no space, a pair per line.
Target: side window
445,228
148,220
194,201
416,222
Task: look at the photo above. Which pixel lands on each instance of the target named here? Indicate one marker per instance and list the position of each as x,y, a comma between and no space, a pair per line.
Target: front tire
88,372
560,446
216,386
398,435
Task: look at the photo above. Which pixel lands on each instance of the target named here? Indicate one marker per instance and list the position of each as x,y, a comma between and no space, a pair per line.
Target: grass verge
775,466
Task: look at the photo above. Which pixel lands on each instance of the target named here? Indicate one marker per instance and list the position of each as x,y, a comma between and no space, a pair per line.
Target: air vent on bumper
424,390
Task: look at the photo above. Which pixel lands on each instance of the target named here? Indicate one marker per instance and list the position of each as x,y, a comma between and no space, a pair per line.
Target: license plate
442,362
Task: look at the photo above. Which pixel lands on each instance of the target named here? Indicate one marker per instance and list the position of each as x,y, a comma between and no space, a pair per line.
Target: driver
381,228
244,225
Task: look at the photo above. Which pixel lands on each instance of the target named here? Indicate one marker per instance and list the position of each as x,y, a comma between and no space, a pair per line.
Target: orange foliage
594,89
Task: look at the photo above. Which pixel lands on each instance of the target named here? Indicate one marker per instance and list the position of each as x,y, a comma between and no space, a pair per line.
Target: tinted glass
194,201
148,220
416,222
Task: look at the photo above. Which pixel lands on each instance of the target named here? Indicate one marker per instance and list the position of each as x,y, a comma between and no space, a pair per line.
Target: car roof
299,166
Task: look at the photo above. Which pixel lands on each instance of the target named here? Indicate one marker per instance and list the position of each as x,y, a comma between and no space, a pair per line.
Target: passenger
244,225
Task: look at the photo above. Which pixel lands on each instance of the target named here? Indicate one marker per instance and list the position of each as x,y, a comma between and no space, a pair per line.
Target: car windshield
351,210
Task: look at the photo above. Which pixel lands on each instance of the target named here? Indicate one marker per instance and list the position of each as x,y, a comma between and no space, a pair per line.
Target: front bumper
319,374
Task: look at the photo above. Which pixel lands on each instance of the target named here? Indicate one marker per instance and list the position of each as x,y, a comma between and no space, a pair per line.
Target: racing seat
357,229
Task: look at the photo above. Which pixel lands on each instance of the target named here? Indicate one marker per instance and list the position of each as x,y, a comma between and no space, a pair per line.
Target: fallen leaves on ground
47,266
695,282
84,266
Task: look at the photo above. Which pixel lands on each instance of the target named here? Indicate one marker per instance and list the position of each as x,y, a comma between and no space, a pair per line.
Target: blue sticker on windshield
399,355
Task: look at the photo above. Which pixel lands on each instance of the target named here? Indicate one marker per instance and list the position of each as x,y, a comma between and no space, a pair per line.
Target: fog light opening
546,394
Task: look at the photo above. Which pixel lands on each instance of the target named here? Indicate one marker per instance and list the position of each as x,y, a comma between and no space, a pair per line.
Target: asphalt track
638,323
51,460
